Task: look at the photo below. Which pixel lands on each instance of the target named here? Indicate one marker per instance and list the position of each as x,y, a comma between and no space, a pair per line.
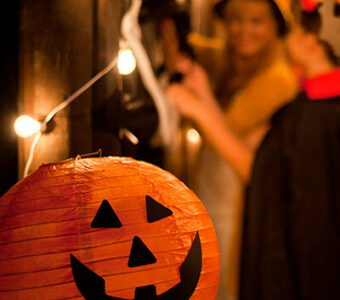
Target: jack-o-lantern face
92,286
105,228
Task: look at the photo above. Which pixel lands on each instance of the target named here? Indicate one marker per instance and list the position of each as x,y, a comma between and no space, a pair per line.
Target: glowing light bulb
126,62
193,136
25,126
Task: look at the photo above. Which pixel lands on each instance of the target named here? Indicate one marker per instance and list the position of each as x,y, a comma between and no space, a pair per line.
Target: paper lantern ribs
105,228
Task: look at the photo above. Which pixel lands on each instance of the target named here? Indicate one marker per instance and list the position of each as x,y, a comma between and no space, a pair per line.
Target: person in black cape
292,223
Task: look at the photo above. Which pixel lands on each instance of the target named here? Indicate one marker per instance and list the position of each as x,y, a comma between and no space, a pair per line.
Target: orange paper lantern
105,228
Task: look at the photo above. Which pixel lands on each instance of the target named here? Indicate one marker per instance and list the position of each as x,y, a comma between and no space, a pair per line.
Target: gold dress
217,184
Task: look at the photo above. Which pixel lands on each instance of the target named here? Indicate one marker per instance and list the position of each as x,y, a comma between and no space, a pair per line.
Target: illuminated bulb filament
25,126
193,136
126,62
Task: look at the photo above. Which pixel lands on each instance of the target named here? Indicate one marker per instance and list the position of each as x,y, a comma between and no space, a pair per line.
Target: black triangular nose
140,255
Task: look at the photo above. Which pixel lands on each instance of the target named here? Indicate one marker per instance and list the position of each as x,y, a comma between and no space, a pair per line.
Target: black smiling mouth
92,286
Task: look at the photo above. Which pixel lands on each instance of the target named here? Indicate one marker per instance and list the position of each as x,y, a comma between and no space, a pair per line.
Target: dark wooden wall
62,45
50,50
55,59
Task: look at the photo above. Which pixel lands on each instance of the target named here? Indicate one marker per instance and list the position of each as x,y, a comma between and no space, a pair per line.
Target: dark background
58,46
8,92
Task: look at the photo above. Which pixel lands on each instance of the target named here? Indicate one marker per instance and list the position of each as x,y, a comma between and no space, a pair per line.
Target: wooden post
55,59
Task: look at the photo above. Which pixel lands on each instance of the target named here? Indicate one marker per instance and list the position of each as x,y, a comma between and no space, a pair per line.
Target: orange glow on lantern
106,227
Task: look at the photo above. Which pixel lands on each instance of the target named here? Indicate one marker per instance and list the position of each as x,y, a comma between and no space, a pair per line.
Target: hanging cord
31,154
62,105
168,116
80,91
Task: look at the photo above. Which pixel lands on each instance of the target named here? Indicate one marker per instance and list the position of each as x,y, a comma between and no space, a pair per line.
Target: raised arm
202,108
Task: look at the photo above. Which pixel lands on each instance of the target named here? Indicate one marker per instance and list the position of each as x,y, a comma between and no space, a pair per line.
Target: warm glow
126,62
129,135
26,126
193,136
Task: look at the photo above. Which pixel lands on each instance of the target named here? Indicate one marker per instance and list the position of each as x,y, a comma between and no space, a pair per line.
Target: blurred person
251,82
291,223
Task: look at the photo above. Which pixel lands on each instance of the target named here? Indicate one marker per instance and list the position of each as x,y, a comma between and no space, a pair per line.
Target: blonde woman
253,81
291,222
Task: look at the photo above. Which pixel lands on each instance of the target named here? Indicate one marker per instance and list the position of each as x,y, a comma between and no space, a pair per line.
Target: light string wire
62,105
31,154
168,116
80,91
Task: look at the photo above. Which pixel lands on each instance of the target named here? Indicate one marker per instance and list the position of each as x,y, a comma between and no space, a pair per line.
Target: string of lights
131,53
26,126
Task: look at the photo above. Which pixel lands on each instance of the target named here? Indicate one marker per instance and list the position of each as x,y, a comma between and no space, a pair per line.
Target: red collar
323,86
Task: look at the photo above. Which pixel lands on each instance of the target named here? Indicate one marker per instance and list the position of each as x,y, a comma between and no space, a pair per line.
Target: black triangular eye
105,217
156,211
140,254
